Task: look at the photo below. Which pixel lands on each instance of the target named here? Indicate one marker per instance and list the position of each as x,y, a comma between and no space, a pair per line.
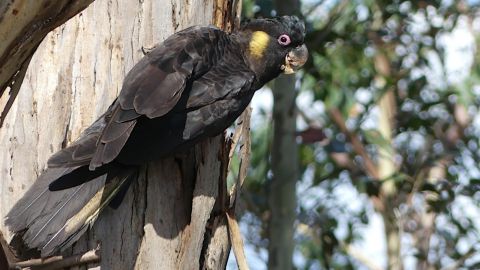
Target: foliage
362,51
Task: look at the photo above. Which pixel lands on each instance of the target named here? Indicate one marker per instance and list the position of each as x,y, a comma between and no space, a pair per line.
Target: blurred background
368,158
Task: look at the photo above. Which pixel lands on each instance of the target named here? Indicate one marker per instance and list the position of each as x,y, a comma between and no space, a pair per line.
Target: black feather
117,200
82,175
193,85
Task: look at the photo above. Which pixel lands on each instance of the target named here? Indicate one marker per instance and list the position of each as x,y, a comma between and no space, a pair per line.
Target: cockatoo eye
284,40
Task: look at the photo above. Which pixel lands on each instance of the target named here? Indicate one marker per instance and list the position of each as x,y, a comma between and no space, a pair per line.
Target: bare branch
356,144
359,149
59,262
237,242
14,89
335,14
462,260
244,134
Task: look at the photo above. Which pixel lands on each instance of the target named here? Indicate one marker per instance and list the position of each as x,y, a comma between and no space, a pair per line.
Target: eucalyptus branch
242,132
237,242
327,28
359,149
357,145
60,262
462,260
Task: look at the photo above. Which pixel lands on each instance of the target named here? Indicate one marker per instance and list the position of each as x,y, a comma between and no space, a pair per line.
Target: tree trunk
386,167
282,195
24,25
282,191
170,218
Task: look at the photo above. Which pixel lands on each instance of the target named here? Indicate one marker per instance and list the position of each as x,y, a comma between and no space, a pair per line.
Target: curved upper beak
295,59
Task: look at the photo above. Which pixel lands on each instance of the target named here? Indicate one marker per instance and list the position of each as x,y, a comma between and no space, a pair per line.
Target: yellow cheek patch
258,43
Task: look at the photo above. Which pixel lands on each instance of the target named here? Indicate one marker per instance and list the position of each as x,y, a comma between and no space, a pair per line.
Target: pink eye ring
284,39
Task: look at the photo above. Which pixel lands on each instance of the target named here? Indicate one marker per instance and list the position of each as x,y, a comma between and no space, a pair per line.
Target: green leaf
374,136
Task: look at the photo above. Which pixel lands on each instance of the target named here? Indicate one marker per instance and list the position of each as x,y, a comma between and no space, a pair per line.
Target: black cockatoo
192,86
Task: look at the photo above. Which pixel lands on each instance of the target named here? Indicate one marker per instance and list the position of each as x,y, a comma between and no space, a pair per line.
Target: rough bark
168,219
282,191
